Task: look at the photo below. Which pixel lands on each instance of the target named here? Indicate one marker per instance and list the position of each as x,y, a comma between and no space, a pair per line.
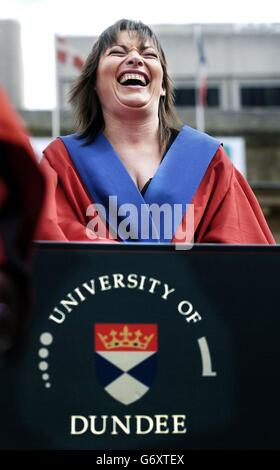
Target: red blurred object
22,188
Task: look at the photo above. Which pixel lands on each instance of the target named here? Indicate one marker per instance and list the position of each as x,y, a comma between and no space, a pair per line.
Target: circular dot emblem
46,340
43,353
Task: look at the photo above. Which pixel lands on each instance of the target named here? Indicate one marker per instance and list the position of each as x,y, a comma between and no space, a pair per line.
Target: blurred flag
67,55
202,80
202,72
68,64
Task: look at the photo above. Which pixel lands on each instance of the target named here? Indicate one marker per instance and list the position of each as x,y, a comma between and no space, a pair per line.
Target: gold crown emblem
126,339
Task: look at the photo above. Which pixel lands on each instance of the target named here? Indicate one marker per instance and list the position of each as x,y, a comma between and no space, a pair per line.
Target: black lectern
146,347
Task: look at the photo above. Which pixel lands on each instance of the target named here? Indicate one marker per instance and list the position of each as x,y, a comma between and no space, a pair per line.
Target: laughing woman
131,172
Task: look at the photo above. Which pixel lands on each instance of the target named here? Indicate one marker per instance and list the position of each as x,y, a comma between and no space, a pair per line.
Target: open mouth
133,79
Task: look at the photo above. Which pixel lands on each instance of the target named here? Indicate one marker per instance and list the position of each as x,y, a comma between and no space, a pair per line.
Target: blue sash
174,184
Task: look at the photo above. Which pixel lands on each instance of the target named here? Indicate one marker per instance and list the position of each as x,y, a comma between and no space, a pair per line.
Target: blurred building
11,65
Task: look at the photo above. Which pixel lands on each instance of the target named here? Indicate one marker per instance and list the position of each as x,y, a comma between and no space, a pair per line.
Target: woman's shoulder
56,151
205,143
219,173
221,160
56,144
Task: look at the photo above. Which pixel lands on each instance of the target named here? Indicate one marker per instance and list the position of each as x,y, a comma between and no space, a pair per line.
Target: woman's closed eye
145,54
116,52
152,55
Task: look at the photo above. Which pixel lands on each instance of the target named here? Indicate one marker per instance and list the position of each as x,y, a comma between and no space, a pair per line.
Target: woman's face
129,75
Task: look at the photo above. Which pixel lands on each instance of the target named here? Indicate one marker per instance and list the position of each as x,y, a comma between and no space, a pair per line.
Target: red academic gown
225,208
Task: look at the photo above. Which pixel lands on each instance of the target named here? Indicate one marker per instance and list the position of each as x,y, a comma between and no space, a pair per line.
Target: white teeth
132,76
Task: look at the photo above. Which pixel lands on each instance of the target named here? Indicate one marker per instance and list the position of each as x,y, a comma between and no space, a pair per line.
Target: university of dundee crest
126,359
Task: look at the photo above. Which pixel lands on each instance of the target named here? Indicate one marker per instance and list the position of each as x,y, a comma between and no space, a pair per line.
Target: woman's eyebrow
119,45
142,48
148,47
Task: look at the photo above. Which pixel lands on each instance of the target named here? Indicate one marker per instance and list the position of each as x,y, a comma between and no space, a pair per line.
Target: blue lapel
104,175
181,172
175,182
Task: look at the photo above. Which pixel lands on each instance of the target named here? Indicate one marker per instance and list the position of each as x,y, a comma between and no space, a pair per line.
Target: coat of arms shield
126,359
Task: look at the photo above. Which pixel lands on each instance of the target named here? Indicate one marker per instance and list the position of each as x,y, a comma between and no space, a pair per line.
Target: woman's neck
132,133
137,144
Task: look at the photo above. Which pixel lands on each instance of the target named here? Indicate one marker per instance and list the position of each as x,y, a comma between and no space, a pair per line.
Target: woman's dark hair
83,97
